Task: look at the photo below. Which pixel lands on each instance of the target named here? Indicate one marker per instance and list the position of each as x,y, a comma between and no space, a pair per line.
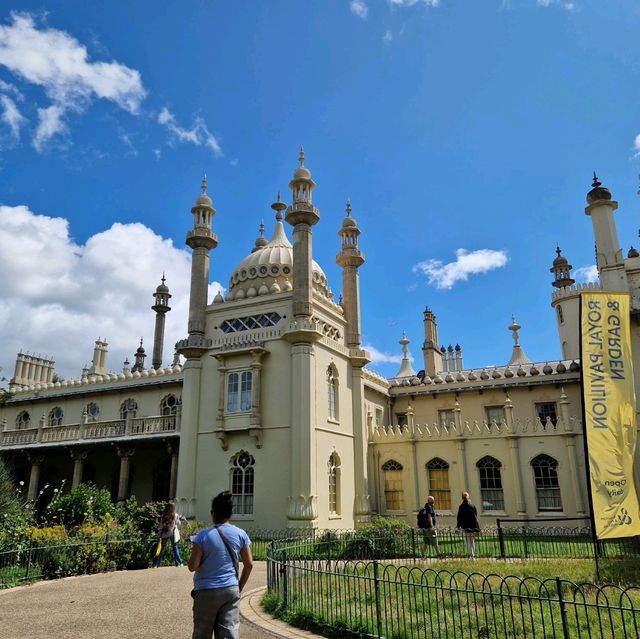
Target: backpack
422,518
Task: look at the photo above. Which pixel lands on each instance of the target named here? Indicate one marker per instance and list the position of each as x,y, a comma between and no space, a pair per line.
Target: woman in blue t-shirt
216,583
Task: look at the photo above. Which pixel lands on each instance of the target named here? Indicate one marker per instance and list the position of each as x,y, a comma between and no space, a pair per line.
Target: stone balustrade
91,431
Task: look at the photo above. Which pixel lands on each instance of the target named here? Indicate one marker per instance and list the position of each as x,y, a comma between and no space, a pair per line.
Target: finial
278,206
141,341
163,277
301,156
348,207
204,183
558,251
596,182
261,228
404,341
514,327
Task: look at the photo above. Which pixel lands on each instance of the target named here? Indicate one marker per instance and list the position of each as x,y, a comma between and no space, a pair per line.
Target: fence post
26,576
500,539
413,544
563,610
283,572
376,584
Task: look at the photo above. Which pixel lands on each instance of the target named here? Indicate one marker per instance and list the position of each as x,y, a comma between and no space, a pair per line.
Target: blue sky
465,133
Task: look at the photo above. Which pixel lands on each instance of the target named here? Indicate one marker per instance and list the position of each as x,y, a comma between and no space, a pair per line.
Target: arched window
438,481
169,406
490,483
545,473
334,484
242,483
23,420
393,490
128,408
332,392
92,411
560,314
239,388
55,416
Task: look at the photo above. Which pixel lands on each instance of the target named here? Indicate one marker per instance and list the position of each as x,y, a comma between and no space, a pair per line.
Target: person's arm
196,557
247,565
458,518
430,521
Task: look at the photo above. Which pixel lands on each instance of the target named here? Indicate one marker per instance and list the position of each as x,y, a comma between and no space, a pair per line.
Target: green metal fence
378,599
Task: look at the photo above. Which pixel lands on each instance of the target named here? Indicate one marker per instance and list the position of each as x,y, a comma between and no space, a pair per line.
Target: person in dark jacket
467,522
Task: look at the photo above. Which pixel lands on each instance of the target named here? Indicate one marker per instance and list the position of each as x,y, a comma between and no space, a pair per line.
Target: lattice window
169,405
250,323
438,479
242,483
393,488
23,420
494,414
545,472
446,418
92,411
334,484
128,409
332,392
55,416
547,409
491,491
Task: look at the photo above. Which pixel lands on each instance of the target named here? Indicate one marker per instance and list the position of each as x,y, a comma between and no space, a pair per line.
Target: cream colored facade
275,401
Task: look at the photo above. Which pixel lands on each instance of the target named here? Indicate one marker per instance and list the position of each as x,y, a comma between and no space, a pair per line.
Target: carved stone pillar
173,476
514,456
461,447
125,455
78,457
34,477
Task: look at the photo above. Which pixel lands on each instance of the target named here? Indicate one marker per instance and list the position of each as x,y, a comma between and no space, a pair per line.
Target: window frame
333,465
446,411
483,465
244,501
55,418
441,493
554,419
494,407
393,466
129,405
23,423
239,392
543,492
91,417
333,412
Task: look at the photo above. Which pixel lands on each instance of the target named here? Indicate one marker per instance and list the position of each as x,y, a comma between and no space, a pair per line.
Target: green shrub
381,538
83,504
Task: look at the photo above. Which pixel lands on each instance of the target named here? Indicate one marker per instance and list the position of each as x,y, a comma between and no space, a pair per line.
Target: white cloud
636,145
387,37
157,153
199,134
57,62
11,116
569,6
410,3
467,263
378,357
586,274
57,297
359,8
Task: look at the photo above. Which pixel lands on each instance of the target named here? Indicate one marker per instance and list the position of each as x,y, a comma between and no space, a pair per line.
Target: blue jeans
176,553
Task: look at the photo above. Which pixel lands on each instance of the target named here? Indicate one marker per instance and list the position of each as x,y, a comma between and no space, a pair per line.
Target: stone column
461,447
514,457
34,478
125,455
360,440
172,449
414,456
78,457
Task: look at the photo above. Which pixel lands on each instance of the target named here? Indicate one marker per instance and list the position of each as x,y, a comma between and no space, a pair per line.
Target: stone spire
161,307
99,362
302,215
562,270
139,359
433,360
406,370
613,276
518,355
350,259
201,239
261,240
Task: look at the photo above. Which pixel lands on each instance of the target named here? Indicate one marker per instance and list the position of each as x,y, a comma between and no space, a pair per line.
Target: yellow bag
158,549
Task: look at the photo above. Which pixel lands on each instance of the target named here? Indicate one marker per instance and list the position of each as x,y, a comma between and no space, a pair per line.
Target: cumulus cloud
410,3
587,274
466,264
198,134
57,297
378,357
569,6
55,61
359,8
636,145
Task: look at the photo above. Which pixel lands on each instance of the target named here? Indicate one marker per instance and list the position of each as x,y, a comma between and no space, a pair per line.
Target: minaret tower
302,215
140,356
201,239
613,276
350,259
161,307
433,360
562,270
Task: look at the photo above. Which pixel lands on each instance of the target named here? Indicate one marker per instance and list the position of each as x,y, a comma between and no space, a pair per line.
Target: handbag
157,548
234,561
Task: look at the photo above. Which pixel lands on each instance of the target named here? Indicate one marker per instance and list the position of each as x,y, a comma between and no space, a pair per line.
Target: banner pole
585,447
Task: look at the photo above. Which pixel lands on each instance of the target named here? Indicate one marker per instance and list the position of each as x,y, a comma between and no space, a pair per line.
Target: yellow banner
610,412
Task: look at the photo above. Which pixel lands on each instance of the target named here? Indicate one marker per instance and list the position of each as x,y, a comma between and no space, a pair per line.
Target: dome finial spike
348,207
596,182
204,183
262,228
278,206
558,251
163,277
301,156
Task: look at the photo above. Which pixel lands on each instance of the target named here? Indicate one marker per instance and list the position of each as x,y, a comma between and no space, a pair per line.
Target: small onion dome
633,253
203,198
162,288
261,240
218,299
302,171
560,259
443,349
458,348
598,192
140,349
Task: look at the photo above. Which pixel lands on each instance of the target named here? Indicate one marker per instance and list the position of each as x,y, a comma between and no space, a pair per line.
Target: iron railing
376,599
33,562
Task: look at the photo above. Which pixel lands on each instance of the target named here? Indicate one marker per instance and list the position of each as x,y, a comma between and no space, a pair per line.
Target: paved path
140,604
